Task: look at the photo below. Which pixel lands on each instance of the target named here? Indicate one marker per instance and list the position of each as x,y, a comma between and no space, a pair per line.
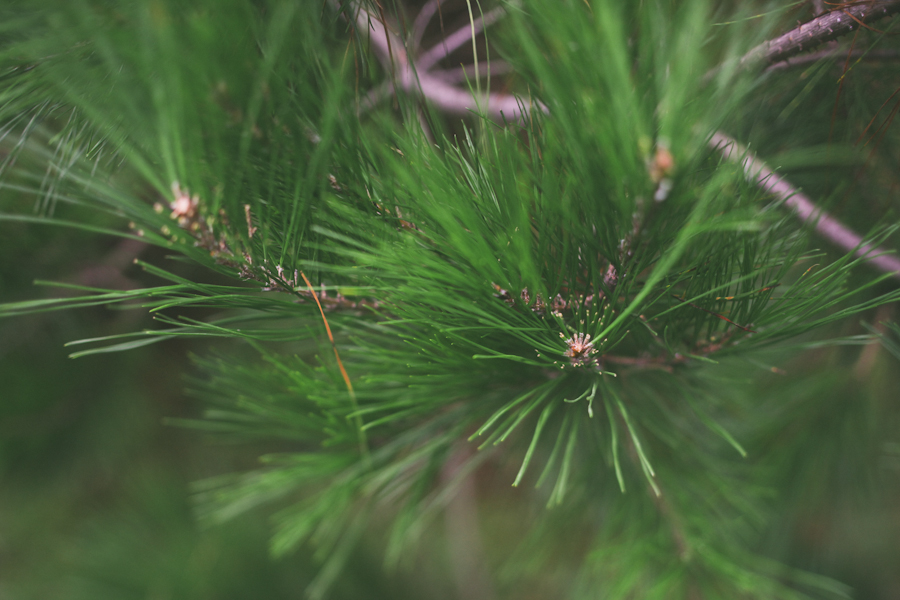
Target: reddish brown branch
825,224
411,77
822,29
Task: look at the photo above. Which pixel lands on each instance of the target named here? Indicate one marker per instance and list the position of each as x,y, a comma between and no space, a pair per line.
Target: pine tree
580,264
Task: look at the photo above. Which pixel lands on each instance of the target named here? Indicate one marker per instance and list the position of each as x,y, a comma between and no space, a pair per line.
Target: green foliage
577,293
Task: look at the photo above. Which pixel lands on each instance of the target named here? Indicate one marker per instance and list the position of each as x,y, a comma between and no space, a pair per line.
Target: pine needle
363,443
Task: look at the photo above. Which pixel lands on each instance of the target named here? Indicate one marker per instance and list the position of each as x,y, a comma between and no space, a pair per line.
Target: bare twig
422,20
450,76
456,39
413,78
824,28
825,224
463,73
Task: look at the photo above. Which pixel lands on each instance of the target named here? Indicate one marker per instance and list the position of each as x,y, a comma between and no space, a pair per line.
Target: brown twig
825,224
463,73
457,39
820,30
412,77
422,20
449,76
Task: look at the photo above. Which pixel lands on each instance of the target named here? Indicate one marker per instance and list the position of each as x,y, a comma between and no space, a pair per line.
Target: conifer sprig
566,284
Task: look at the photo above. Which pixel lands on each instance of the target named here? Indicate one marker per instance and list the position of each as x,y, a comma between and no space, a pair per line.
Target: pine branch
422,20
462,73
413,77
822,29
818,31
548,214
456,39
825,224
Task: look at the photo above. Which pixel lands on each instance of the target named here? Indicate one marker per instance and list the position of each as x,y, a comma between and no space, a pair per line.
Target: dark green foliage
461,276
